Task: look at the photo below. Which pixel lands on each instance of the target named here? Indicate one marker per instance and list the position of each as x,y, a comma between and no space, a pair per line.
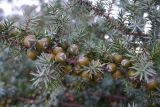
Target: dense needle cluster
75,54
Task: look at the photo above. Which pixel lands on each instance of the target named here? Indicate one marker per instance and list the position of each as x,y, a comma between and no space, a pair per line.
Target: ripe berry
73,49
60,57
77,70
85,75
29,41
111,67
40,45
47,41
152,84
132,74
125,63
117,58
67,69
50,57
83,61
57,50
43,44
117,74
8,101
32,54
14,32
2,103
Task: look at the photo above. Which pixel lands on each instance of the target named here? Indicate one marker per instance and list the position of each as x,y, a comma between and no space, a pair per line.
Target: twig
110,7
27,25
102,94
70,105
111,97
114,22
24,100
12,42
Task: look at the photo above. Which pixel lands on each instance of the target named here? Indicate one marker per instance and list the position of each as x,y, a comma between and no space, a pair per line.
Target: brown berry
85,75
60,57
67,69
14,32
8,101
83,61
29,41
152,84
32,54
73,49
57,50
111,67
117,74
49,56
117,58
125,63
42,44
3,102
77,70
46,41
132,74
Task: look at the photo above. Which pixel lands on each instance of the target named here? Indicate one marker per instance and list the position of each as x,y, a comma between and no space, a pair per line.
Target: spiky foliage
144,68
94,68
48,72
97,33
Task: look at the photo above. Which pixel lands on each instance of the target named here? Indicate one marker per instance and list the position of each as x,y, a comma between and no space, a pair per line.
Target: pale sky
14,7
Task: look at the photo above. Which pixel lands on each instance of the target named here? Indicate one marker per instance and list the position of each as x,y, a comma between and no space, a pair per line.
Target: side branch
116,25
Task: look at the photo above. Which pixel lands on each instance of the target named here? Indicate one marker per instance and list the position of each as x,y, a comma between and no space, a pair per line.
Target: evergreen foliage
78,54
